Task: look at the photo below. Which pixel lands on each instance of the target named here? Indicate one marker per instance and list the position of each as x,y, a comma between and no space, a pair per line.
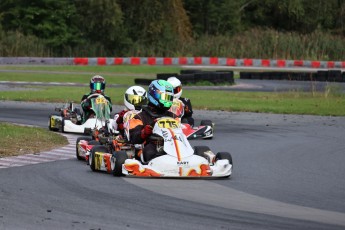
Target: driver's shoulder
107,97
85,96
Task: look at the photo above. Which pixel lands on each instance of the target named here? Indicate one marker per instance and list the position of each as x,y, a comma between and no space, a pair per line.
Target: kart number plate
168,123
100,100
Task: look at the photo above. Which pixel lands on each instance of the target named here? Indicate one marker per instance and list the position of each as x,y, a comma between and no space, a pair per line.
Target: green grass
313,103
58,94
330,102
17,140
281,103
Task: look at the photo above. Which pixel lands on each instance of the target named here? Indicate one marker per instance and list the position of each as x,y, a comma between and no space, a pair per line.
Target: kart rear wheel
76,146
92,157
200,151
120,158
50,125
223,156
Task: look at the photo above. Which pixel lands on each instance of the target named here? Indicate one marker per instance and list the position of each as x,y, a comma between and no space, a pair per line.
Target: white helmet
176,83
135,97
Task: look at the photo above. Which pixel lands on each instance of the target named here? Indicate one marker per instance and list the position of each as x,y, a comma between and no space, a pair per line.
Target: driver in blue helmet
160,99
97,87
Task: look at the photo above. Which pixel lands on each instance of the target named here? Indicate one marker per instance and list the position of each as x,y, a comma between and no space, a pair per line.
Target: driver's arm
86,104
135,127
188,111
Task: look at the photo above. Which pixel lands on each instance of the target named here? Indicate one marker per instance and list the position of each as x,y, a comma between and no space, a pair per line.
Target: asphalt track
288,174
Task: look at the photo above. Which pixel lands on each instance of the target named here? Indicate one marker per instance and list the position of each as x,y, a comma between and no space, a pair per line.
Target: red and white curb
178,61
64,153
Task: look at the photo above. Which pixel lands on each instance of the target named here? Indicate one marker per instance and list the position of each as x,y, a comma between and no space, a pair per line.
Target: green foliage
101,23
287,28
214,17
49,20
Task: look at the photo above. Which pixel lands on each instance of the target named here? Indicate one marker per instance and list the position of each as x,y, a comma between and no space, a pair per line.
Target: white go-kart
70,119
178,159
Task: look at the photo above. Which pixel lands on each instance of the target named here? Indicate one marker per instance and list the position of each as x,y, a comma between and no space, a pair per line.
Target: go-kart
204,131
85,144
70,119
178,158
98,148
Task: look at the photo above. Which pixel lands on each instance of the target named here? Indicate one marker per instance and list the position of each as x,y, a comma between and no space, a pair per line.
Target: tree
101,21
215,17
303,16
50,20
156,22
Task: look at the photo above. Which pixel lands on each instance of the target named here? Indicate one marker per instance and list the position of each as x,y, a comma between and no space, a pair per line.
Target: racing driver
188,111
160,99
97,86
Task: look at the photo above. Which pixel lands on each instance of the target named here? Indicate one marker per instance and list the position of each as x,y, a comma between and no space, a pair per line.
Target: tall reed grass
255,43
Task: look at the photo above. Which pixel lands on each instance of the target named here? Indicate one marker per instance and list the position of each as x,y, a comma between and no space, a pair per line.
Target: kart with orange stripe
204,130
178,159
104,145
107,137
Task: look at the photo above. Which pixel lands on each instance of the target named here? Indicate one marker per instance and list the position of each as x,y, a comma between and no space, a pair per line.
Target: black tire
94,142
76,145
120,158
142,81
223,156
165,76
98,148
200,151
206,123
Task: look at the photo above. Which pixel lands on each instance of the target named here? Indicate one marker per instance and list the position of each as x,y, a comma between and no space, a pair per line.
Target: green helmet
161,94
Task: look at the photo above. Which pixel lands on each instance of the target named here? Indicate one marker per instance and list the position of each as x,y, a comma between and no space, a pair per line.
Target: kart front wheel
92,157
223,156
120,157
76,146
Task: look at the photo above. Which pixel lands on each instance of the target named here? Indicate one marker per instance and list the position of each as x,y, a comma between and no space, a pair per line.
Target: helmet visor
97,86
166,97
136,100
177,89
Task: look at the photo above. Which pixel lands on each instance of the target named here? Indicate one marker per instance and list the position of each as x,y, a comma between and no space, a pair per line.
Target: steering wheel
93,95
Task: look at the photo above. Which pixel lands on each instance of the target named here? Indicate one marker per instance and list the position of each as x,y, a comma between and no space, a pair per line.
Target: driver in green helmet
160,99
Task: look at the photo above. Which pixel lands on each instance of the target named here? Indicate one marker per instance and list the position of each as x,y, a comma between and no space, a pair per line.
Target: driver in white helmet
188,111
134,98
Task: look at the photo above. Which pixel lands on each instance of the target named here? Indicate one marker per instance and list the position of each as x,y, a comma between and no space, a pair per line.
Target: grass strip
18,140
328,103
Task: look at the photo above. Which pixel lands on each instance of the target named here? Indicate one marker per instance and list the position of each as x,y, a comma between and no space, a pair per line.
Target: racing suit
188,111
86,105
121,121
139,123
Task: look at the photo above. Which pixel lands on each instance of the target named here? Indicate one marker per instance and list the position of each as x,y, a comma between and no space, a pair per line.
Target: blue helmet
161,94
